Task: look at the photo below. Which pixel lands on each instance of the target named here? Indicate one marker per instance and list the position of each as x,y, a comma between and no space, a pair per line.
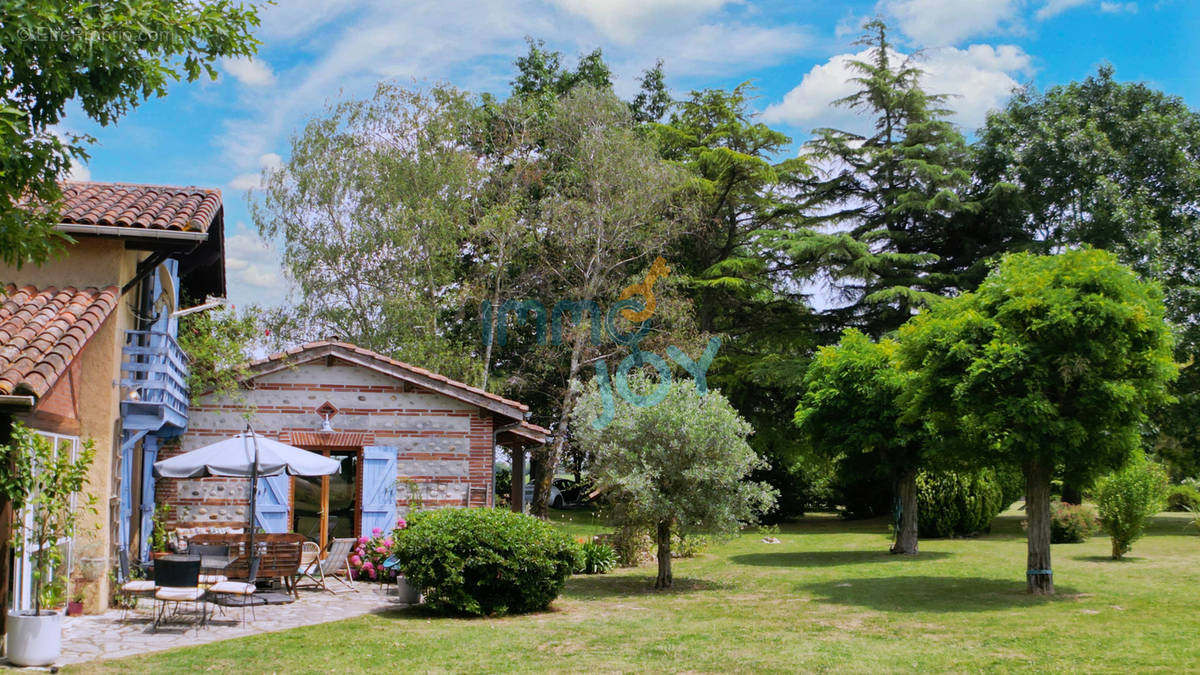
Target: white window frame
22,595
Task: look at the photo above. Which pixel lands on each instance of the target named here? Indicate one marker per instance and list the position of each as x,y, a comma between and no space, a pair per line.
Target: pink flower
381,549
377,532
368,566
371,572
388,543
355,560
401,523
362,540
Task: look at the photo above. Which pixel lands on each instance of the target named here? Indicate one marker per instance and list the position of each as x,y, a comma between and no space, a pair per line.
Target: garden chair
337,559
244,591
130,588
214,550
177,581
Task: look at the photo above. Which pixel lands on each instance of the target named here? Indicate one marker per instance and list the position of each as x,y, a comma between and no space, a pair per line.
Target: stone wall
445,445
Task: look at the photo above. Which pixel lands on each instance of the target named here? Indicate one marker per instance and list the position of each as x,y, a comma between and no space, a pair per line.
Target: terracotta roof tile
42,331
311,346
154,207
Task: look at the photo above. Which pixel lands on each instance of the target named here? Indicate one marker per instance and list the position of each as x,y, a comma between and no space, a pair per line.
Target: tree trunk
1038,574
553,453
906,528
1070,494
664,555
1117,553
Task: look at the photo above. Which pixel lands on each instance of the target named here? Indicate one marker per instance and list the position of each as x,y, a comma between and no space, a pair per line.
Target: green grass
829,598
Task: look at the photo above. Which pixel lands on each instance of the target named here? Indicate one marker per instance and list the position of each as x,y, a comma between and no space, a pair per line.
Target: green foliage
106,58
484,561
632,545
689,545
1182,498
40,480
1127,499
681,463
218,344
1055,359
159,537
957,504
1072,523
597,558
503,485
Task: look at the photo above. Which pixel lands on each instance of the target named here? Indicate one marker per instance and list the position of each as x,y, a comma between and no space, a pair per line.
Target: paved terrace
108,636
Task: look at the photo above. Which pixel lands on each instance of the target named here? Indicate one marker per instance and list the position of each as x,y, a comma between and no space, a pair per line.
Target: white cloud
256,73
1053,8
626,20
1118,7
978,78
932,23
253,270
253,180
79,171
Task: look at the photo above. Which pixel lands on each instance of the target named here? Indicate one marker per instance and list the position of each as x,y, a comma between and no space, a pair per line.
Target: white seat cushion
138,586
212,578
233,588
178,594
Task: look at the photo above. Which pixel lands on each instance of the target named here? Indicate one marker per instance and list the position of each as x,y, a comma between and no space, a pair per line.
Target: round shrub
1183,498
485,561
1072,523
1127,499
953,503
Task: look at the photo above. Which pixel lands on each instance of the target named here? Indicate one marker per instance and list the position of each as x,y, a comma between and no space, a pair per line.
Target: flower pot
74,609
34,639
155,555
406,592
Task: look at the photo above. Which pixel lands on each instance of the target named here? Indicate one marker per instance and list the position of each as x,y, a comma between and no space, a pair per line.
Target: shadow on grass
932,594
829,558
596,586
1107,559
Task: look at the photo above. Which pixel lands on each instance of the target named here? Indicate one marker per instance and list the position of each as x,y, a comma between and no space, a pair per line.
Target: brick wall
445,445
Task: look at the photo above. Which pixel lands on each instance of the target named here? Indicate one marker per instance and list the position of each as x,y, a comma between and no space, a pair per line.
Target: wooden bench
279,555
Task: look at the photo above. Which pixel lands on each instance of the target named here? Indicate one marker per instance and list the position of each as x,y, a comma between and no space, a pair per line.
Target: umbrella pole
252,553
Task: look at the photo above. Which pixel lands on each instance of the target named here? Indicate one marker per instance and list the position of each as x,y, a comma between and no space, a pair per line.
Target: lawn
828,598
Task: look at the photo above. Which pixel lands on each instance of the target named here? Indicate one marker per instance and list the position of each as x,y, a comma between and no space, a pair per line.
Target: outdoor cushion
178,594
139,586
212,578
233,587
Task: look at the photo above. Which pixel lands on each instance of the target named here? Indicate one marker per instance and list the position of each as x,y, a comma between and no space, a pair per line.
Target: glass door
325,507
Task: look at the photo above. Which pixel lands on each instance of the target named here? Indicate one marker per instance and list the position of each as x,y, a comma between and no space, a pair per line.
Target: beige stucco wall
99,263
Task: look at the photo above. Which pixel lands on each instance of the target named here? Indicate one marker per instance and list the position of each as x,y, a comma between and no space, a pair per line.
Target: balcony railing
154,391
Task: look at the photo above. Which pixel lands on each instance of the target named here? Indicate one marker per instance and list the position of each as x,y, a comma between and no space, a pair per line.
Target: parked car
556,498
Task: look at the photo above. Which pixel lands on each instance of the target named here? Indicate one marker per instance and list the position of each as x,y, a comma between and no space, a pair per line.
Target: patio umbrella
247,454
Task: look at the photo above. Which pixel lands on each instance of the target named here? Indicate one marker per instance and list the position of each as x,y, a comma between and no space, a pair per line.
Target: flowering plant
370,553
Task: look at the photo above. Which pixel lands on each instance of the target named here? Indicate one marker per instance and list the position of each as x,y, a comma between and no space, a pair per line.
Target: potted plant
40,481
75,606
159,541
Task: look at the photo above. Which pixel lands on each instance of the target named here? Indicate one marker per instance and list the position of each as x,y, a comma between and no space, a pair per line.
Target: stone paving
108,636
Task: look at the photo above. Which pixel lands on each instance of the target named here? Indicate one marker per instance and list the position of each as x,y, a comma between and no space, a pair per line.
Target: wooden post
518,478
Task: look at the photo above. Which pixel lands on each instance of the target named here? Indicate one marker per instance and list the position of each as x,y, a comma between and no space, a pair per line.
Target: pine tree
888,202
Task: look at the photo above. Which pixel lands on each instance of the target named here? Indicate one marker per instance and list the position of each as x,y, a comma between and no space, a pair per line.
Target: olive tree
851,406
673,460
1052,363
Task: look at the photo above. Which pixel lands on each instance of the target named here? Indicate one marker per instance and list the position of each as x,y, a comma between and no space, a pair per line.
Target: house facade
406,438
88,352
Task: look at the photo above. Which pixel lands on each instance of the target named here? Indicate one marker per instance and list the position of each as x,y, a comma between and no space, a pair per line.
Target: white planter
34,640
406,592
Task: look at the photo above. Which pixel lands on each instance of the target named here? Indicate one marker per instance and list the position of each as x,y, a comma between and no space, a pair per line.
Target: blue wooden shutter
271,505
378,489
149,455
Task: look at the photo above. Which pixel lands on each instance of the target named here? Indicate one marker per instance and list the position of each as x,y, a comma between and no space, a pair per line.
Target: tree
1053,362
851,406
1116,166
678,465
653,100
608,207
891,197
106,57
375,206
218,345
1127,499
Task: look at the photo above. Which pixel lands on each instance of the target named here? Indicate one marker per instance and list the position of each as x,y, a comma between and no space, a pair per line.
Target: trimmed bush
1072,523
1183,498
632,545
953,504
485,561
1127,499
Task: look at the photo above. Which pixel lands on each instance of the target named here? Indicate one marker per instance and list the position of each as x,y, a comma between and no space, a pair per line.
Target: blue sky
223,133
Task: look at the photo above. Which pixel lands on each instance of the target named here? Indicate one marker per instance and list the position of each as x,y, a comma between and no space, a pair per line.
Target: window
22,598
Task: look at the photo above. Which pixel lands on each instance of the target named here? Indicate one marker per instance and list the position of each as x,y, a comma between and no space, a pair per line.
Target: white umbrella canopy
235,457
